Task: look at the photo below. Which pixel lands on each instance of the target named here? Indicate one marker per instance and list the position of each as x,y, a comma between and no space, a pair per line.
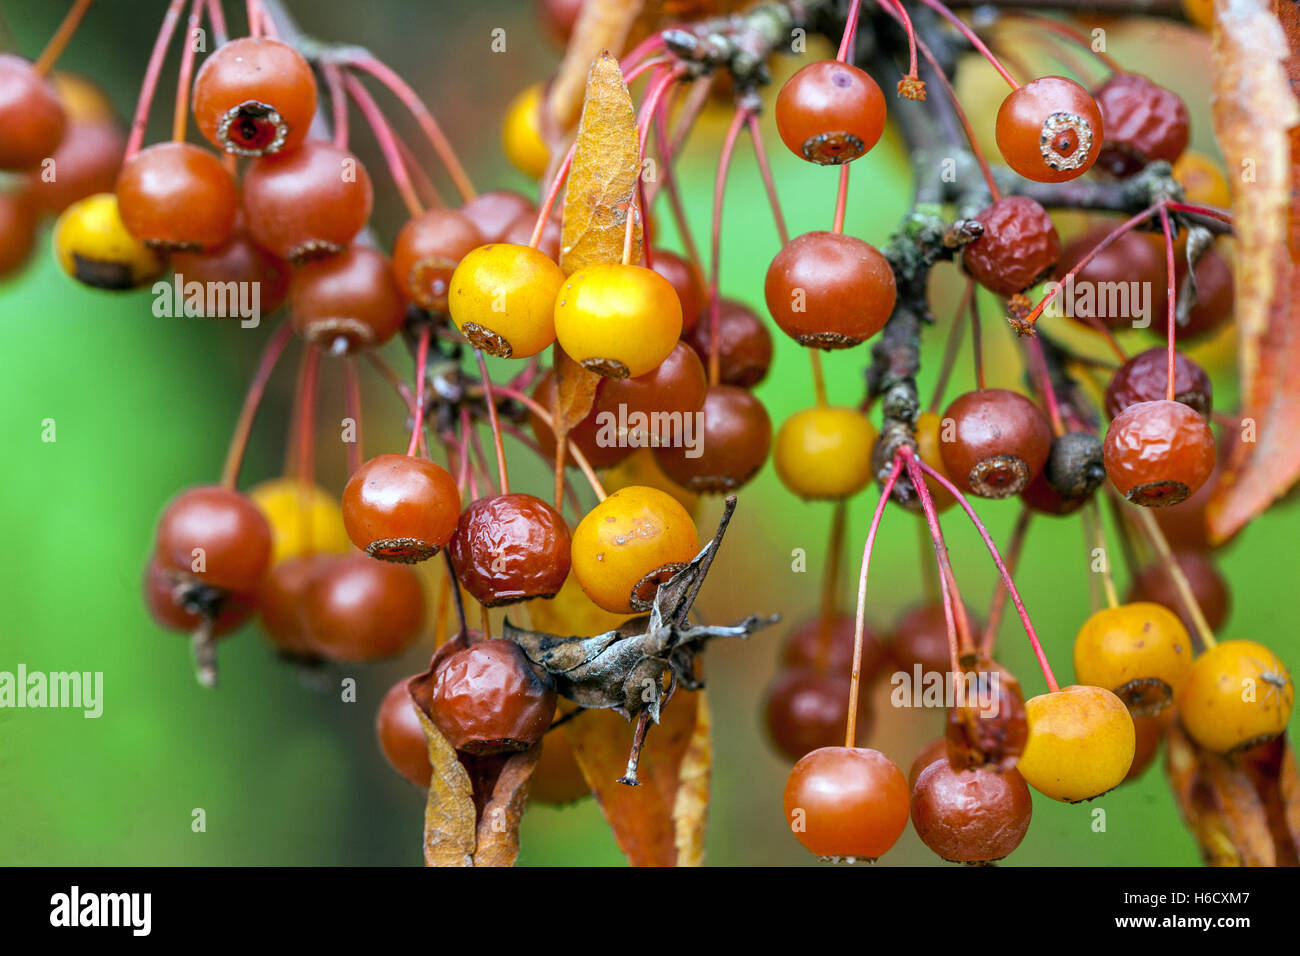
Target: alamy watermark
74,690
921,688
637,429
208,300
1108,301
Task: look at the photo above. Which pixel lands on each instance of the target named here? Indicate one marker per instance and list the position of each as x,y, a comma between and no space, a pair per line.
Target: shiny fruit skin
162,589
1208,587
401,735
31,115
744,343
255,97
676,387
1038,152
1158,453
806,711
936,749
304,518
177,196
239,260
358,609
521,133
1238,694
502,298
825,453
233,536
830,113
1000,442
308,203
1144,122
736,439
844,802
1081,743
634,540
510,548
93,246
1145,376
281,603
686,282
1133,257
17,230
802,649
487,698
830,291
970,816
348,301
86,162
493,212
401,508
1140,651
1019,246
617,320
428,249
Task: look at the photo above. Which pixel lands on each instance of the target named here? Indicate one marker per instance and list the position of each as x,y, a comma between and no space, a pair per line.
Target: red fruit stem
59,41
466,446
387,143
267,21
940,549
252,399
951,347
1039,362
1061,29
830,584
338,103
929,571
1197,210
1170,304
552,193
425,188
841,200
1151,529
669,180
504,479
149,85
765,170
972,38
1002,569
306,437
217,17
896,10
715,242
1096,534
421,370
532,446
846,47
634,74
999,602
424,118
185,75
254,19
859,626
352,408
651,44
977,340
578,457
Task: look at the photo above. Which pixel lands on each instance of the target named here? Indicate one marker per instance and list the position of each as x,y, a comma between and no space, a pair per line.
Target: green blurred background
291,775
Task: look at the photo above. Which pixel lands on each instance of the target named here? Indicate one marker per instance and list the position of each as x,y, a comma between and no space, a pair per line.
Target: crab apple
1081,743
744,343
281,603
1202,180
1041,497
492,213
17,230
94,247
686,282
617,320
1215,298
827,290
489,698
304,518
428,249
737,435
217,535
1238,694
87,162
572,612
1132,258
1150,730
177,196
807,710
510,548
1050,130
1210,590
675,388
827,644
31,115
629,544
347,303
1158,453
238,260
920,636
401,735
255,96
1141,651
846,804
970,816
1075,466
1143,121
1018,248
936,749
401,508
1000,441
588,436
521,133
830,112
989,726
180,602
502,299
1145,377
825,452
357,609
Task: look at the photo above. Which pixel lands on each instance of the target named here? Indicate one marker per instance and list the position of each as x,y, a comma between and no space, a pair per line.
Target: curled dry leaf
575,393
691,808
498,826
1255,107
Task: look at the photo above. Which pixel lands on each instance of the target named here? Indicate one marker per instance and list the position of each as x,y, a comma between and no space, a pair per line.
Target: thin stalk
59,40
504,479
149,86
256,389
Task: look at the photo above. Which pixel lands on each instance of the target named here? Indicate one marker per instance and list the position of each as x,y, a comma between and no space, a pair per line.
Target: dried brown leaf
574,396
1254,107
498,827
691,807
449,814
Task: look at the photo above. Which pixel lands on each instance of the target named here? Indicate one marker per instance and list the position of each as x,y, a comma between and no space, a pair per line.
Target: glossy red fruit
30,114
242,261
1131,262
846,804
401,735
830,112
827,290
347,303
1143,121
1145,378
744,343
807,710
1000,442
493,213
520,233
255,96
1050,130
281,603
1158,453
488,698
510,548
400,508
177,196
1207,584
686,282
920,636
179,602
1215,297
307,203
1018,248
733,447
426,253
217,535
86,162
806,647
17,230
936,749
970,816
677,388
358,609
